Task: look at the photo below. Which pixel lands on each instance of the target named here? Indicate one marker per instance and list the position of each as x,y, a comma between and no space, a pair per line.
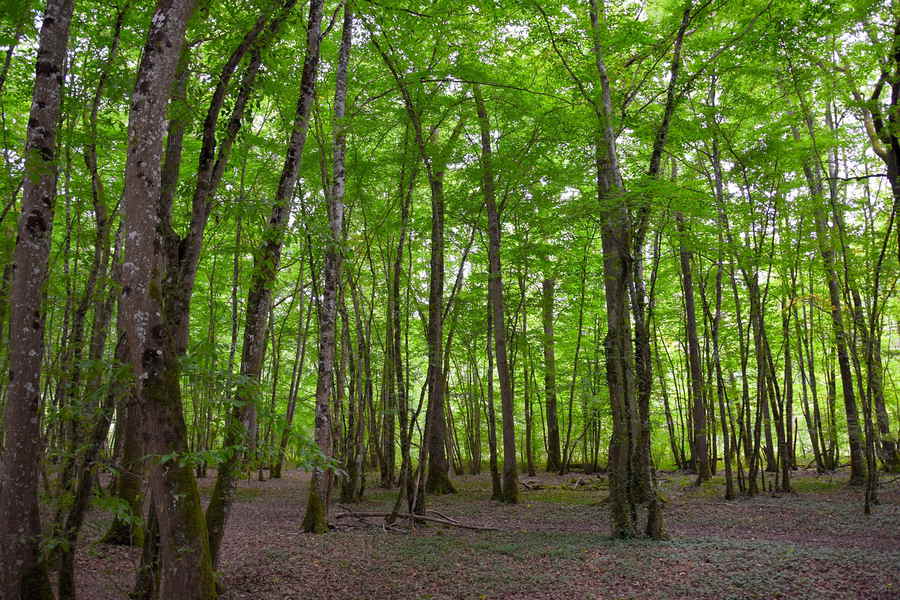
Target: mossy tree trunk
185,566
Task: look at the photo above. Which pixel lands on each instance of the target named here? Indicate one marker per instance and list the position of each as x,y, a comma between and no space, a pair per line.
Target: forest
386,299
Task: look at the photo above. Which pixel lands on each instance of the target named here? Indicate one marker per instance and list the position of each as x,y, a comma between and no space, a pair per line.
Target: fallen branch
414,517
443,516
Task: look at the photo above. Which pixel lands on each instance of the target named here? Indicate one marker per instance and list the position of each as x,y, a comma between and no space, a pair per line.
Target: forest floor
813,544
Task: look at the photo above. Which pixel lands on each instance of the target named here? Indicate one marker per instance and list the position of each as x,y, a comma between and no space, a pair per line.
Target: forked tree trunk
625,465
185,566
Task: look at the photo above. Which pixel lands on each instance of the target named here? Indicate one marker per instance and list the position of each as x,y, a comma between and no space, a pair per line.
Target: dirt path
816,544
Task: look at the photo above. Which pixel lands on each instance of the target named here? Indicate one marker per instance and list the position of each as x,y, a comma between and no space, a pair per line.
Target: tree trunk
296,378
185,566
23,575
496,484
316,518
510,488
547,298
826,251
616,231
698,411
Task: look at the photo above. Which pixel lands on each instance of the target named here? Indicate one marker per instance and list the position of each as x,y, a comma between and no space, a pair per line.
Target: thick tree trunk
23,576
616,231
185,566
438,479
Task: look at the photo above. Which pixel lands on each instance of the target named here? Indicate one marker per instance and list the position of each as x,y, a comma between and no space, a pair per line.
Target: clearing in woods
814,544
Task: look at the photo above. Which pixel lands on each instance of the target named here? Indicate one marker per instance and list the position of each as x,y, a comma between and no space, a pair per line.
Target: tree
151,343
495,291
316,518
22,572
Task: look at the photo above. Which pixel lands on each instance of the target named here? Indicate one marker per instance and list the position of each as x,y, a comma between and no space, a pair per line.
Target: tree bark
495,292
23,575
185,566
547,298
698,411
316,518
616,232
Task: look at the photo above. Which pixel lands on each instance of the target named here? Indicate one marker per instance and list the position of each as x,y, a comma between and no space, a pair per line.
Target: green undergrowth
820,483
564,496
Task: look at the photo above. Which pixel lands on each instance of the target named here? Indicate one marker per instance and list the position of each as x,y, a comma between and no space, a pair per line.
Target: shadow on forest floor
815,544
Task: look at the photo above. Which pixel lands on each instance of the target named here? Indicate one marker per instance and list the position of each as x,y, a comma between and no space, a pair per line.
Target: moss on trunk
316,518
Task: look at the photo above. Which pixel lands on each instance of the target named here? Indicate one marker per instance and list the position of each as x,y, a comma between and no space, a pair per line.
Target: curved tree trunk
265,269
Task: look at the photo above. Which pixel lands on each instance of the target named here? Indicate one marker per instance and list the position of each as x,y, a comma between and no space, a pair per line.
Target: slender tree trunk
547,297
82,490
527,374
787,408
265,270
316,518
826,251
296,378
698,410
438,478
720,384
495,293
23,575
